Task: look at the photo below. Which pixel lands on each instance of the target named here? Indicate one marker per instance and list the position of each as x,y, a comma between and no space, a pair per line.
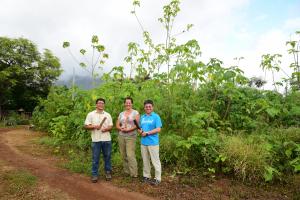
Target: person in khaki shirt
100,123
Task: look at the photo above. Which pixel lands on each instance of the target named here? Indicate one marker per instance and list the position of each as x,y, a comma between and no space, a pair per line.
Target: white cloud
292,24
220,27
271,42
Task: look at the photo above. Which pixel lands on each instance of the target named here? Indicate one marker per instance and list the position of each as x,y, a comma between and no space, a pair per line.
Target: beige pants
151,152
127,151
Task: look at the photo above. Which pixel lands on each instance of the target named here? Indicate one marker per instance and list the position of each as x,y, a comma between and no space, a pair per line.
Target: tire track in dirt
76,185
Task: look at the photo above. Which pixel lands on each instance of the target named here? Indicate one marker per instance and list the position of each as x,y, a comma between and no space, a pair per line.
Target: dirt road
75,185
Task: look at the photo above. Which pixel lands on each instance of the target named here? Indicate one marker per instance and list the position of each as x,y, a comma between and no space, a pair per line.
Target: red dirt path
75,185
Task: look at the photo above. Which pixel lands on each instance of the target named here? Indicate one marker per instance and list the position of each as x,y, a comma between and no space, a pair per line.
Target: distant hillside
83,82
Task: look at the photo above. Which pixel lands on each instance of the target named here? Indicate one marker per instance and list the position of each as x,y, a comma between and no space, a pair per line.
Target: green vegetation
25,74
97,60
213,121
17,183
14,119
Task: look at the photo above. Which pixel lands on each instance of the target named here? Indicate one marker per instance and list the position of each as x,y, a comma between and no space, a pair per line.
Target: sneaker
108,176
146,180
94,179
155,182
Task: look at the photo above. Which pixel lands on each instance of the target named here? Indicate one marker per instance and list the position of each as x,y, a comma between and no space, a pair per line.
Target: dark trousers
97,148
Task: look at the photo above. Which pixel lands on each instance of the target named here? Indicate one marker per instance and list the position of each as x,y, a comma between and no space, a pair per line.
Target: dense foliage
213,121
25,74
252,141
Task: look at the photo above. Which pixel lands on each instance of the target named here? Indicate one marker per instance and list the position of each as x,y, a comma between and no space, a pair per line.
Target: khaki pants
127,150
151,152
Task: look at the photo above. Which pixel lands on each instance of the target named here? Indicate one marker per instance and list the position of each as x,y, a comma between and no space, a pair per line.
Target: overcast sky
224,29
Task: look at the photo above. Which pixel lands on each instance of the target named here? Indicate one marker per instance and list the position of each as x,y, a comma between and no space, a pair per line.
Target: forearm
89,127
153,131
131,129
107,129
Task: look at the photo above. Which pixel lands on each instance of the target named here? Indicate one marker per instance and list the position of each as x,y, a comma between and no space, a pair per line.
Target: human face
128,104
100,105
148,108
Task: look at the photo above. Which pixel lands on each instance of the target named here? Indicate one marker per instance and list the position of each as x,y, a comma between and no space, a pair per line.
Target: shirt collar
99,112
149,114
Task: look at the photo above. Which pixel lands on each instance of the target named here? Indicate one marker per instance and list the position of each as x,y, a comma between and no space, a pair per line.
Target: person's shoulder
136,112
107,114
92,112
155,114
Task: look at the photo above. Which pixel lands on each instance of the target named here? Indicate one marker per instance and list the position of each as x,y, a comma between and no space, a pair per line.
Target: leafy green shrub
59,102
284,144
199,151
291,112
168,145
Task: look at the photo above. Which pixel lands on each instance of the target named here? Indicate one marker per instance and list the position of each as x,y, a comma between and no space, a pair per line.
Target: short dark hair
100,99
128,98
148,101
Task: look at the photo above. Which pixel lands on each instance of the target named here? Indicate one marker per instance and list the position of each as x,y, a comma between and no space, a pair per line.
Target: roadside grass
19,181
16,184
19,184
2,124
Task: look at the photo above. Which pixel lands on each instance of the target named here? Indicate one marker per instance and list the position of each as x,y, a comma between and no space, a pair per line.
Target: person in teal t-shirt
151,125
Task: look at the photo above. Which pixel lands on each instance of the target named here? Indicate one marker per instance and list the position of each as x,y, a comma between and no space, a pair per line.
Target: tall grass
248,158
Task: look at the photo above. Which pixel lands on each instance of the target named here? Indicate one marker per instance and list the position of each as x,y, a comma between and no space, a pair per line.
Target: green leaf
189,26
296,164
212,170
270,172
272,112
223,158
268,175
288,152
297,168
100,48
105,55
66,44
136,3
95,39
82,51
229,74
82,64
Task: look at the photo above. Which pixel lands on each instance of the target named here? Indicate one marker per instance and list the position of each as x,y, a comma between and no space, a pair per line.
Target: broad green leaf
82,64
100,48
82,51
272,112
66,44
95,39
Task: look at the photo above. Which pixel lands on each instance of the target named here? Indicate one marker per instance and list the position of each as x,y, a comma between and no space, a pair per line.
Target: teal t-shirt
148,123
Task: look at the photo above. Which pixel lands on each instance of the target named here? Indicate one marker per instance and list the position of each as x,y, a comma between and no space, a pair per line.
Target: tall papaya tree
294,50
97,60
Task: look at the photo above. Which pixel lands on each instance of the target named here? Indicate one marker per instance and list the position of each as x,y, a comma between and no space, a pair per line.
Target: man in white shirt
100,123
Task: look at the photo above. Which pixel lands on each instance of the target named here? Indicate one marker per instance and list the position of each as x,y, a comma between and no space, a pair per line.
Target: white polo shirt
95,118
